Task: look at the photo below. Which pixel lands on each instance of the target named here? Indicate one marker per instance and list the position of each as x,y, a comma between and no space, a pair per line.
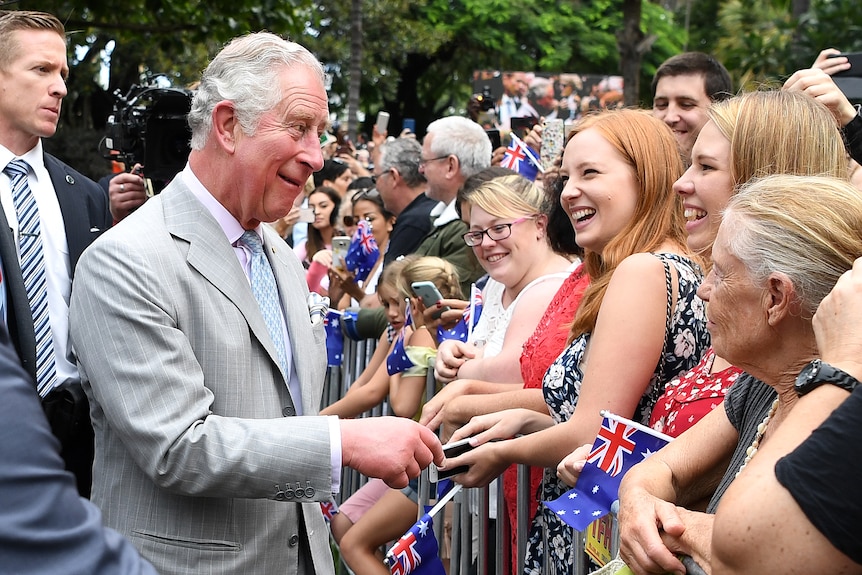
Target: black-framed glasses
496,232
422,162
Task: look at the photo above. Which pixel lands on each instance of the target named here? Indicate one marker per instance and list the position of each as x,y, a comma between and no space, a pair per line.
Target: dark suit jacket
84,206
45,527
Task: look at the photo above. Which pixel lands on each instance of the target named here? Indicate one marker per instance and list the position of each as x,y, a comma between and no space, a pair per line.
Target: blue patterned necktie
33,271
266,293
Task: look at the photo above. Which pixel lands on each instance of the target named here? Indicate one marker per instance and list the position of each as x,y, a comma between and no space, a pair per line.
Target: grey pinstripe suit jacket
194,455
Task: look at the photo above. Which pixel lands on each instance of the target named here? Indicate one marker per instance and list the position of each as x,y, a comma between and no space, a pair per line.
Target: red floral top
692,395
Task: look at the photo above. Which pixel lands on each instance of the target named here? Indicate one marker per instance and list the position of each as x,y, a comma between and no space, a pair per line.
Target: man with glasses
454,149
402,187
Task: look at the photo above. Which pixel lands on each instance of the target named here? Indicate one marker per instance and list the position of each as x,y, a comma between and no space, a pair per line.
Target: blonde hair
649,147
779,132
431,269
509,197
807,227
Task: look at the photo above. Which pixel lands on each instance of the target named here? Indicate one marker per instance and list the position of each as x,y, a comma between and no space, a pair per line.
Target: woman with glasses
509,237
627,336
344,289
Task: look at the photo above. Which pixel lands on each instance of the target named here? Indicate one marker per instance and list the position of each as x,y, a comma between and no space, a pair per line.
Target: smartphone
306,215
430,295
382,123
494,136
552,142
521,126
450,450
409,124
855,59
340,245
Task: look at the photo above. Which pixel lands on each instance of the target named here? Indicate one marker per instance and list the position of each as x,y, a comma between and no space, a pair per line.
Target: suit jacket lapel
76,219
19,317
211,255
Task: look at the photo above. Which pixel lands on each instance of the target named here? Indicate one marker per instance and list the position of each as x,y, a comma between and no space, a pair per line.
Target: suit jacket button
288,411
294,539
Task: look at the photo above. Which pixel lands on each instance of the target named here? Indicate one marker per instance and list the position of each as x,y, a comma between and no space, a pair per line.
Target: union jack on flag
416,551
363,252
620,444
520,158
464,328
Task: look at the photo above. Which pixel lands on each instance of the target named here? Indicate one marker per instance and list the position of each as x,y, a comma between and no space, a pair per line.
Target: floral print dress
685,342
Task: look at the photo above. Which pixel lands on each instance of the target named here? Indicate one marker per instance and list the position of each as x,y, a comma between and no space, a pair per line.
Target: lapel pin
69,179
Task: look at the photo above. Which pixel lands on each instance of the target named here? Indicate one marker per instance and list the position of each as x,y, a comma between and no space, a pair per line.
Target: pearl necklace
761,429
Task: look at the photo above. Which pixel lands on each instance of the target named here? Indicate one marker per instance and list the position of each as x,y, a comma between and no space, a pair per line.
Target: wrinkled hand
820,86
394,449
831,65
571,466
838,322
451,355
644,522
695,540
126,192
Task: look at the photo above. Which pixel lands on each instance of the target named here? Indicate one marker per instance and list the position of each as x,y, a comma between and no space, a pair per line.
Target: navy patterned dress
685,343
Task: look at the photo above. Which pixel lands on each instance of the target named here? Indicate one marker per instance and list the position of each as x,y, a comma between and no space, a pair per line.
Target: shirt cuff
335,452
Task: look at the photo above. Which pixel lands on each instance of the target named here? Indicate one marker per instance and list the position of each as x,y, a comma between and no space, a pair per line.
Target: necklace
761,429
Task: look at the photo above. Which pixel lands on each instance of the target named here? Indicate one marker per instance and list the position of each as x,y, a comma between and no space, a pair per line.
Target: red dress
540,350
687,398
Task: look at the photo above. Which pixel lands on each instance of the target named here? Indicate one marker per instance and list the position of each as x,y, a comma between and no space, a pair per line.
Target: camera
485,99
148,126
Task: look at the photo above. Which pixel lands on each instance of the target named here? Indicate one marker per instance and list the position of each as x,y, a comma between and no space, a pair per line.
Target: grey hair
403,154
464,139
539,88
806,227
246,72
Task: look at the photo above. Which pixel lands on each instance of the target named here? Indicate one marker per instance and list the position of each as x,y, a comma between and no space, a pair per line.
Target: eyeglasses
496,233
376,177
350,221
423,162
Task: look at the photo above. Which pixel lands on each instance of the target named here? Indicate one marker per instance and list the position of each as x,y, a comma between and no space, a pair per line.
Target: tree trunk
629,40
355,68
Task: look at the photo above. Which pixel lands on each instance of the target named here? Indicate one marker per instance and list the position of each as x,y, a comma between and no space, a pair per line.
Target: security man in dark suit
50,214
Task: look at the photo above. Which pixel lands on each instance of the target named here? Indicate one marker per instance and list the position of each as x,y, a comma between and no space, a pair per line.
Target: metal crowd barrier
498,554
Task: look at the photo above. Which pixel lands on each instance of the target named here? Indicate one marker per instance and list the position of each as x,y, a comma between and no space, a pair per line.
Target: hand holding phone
382,123
340,245
430,295
450,450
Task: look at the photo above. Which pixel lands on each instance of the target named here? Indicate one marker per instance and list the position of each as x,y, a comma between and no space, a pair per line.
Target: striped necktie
33,271
266,293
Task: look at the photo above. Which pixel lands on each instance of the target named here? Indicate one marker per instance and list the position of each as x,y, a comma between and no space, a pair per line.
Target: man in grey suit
209,454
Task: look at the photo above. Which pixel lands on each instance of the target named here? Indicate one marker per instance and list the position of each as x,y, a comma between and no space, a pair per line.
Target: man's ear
225,125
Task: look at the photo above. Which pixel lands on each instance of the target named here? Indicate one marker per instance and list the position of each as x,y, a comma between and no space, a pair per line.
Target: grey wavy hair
463,138
403,154
246,72
806,227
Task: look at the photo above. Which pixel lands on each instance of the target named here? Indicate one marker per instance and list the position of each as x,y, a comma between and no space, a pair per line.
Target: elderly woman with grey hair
782,245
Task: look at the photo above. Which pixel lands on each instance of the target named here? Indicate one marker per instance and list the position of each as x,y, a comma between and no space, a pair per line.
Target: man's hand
394,449
126,192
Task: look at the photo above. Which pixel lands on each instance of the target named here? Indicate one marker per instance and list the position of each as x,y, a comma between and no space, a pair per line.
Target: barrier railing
470,528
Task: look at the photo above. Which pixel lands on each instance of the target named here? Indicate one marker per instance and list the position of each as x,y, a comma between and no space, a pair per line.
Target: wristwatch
817,372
